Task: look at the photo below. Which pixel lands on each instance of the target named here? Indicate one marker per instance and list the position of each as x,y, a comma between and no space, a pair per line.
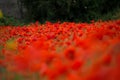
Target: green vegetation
6,20
71,10
64,10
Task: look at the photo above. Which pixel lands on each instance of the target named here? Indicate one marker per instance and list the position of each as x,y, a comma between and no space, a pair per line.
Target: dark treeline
70,10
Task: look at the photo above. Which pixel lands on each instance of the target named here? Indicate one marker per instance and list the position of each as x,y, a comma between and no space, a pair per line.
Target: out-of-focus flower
1,14
11,44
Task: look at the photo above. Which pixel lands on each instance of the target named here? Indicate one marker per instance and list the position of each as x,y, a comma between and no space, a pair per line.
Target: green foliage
116,14
5,21
70,10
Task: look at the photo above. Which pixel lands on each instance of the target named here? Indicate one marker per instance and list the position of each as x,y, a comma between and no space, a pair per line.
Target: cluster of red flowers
61,51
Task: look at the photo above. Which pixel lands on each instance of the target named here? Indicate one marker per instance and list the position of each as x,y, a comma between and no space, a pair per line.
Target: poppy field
61,51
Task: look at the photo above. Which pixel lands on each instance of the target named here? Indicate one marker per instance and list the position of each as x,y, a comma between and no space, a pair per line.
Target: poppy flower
70,53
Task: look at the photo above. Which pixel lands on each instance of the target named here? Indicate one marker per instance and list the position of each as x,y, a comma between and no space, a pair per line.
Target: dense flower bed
61,51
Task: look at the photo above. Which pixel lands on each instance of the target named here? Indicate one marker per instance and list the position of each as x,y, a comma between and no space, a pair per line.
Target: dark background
71,10
63,10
